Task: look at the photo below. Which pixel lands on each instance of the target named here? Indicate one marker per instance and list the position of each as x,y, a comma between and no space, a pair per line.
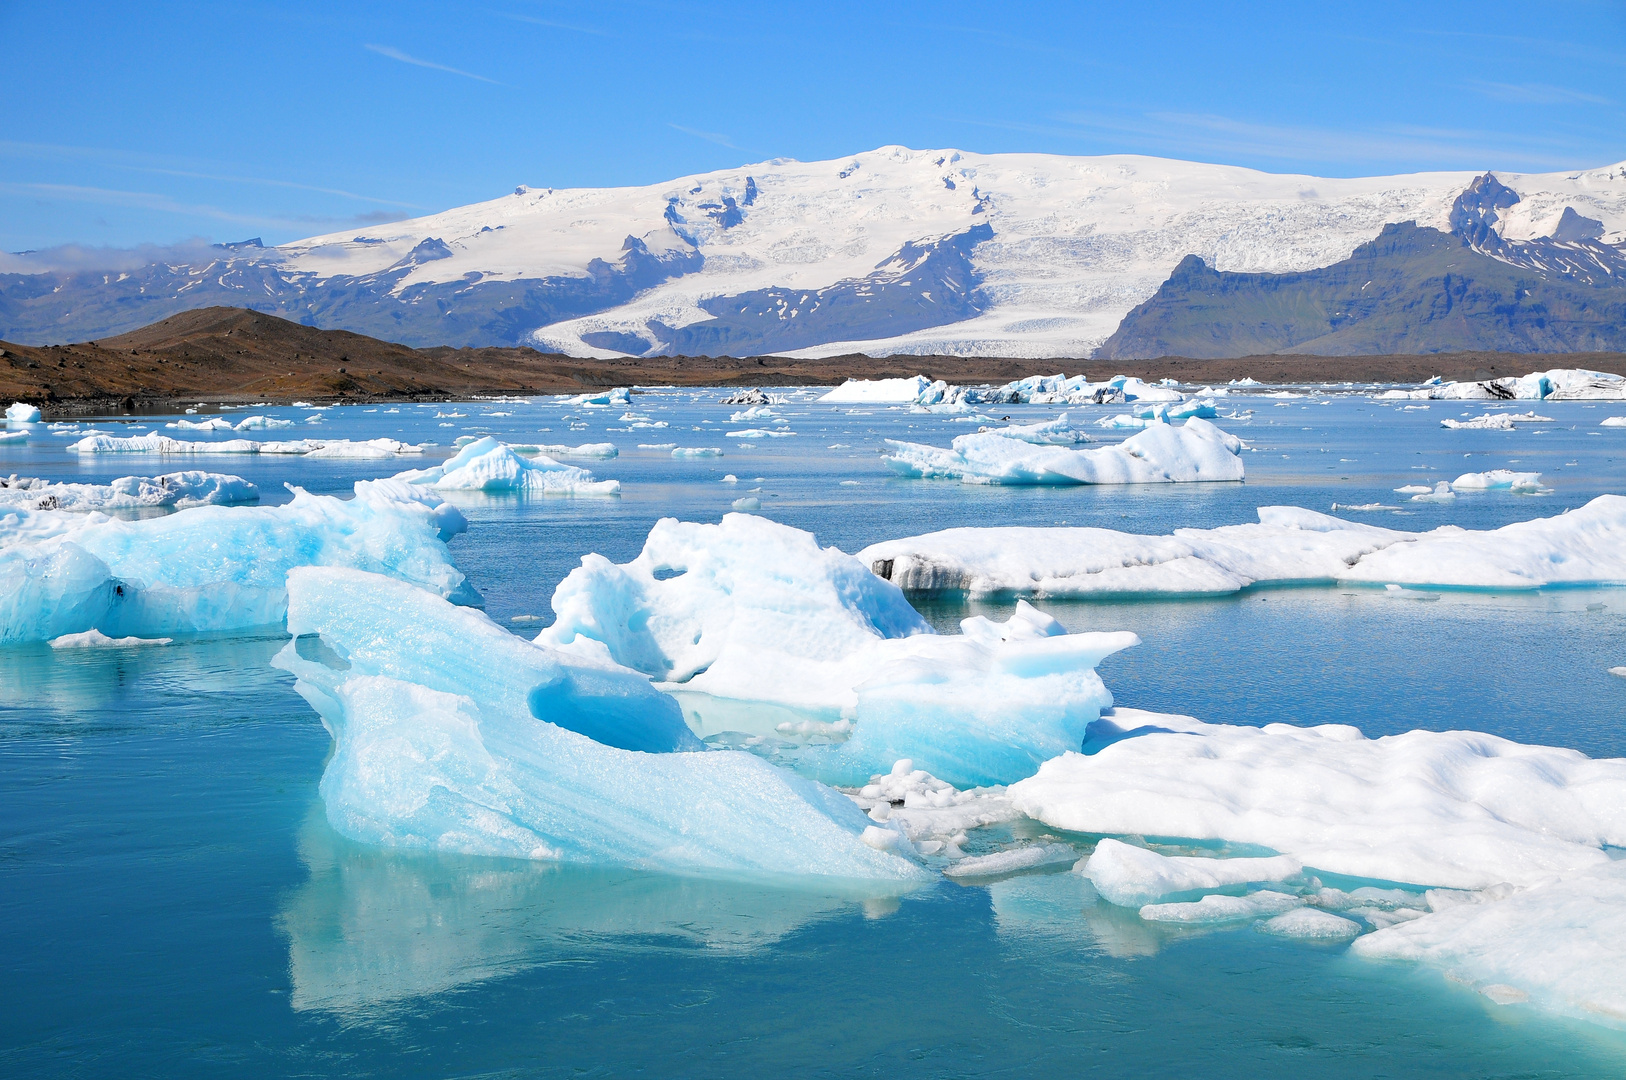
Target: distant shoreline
236,357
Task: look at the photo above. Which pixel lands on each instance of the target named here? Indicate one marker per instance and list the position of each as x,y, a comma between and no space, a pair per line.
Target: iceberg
1613,421
620,395
1057,432
1458,809
18,437
22,413
488,465
1488,422
214,423
1558,384
1586,546
599,450
682,452
1311,924
211,568
453,735
1498,480
95,639
888,391
179,490
163,444
1219,908
1196,451
249,423
1133,877
749,610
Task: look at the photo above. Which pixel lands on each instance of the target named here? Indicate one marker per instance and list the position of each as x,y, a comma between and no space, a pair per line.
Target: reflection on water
372,928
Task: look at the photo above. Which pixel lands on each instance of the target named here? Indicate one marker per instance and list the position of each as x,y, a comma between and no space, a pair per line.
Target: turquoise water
173,903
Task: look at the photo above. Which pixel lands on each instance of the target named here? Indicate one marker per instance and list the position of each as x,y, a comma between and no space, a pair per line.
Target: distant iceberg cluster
1033,390
488,465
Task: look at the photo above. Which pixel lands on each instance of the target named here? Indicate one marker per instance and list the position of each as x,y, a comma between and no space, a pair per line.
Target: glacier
1195,451
453,735
1585,546
211,568
755,613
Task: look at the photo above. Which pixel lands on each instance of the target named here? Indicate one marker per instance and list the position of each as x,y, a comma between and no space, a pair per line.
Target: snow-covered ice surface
179,490
1075,241
1289,545
1161,453
117,757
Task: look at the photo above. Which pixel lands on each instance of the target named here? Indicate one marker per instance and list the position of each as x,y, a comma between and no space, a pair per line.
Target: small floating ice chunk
1131,876
95,639
13,437
1442,493
1498,480
1487,422
747,504
1216,908
599,450
1012,861
1311,924
760,433
697,451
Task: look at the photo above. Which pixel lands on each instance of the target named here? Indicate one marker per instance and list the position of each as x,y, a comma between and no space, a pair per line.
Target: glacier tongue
210,568
453,735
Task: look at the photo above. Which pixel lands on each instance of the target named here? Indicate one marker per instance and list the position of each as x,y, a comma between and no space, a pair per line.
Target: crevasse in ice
451,734
753,611
212,567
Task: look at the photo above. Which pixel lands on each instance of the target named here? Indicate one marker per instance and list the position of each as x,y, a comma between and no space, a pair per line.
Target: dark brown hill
234,355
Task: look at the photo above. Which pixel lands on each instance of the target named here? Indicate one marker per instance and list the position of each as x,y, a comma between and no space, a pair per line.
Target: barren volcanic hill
234,355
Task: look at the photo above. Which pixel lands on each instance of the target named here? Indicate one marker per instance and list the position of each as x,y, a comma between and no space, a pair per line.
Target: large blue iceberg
211,568
453,735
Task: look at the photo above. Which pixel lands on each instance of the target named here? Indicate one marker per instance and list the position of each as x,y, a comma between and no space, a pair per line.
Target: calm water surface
172,901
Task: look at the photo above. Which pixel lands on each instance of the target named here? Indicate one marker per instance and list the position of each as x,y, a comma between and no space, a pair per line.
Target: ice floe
23,413
1487,422
697,451
211,568
1498,480
453,735
1132,876
1458,809
315,448
1585,546
491,466
1163,453
179,490
95,639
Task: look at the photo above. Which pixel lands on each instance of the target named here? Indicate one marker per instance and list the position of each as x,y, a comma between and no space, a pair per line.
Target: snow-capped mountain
891,251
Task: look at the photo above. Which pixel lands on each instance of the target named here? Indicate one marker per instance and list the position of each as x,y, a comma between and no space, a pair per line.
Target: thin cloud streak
147,200
1535,94
550,24
405,58
709,136
120,159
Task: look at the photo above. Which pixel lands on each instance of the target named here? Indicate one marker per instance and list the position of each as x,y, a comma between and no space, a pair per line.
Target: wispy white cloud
158,166
551,24
709,136
1535,94
148,200
405,58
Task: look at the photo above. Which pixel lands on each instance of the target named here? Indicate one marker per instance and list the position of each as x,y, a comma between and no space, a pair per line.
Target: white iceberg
250,423
179,490
697,451
889,391
1311,924
23,413
1487,422
1613,421
599,450
1193,452
1458,809
1498,480
752,611
453,735
211,568
1057,432
1558,384
213,423
1135,876
1220,908
488,465
95,639
620,395
1586,546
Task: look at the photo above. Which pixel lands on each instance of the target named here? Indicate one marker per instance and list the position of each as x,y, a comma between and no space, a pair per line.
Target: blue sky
125,124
